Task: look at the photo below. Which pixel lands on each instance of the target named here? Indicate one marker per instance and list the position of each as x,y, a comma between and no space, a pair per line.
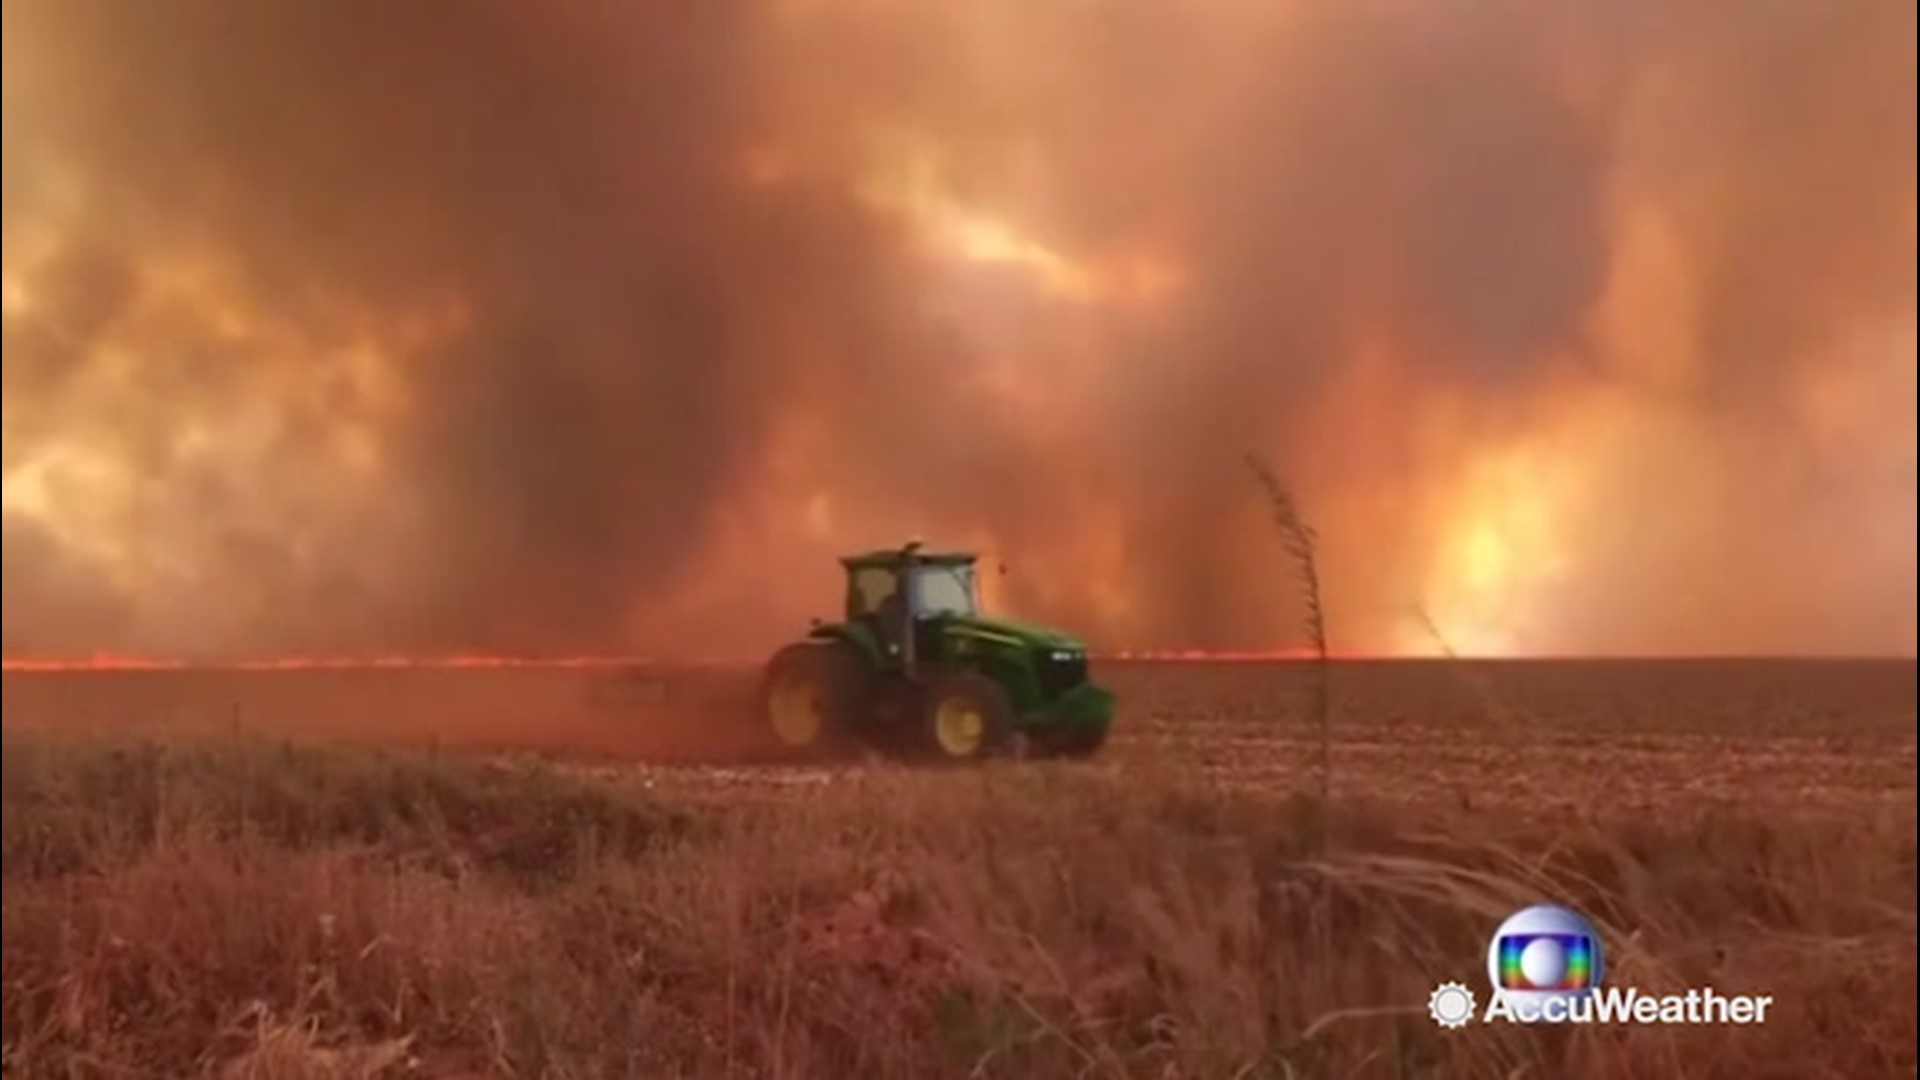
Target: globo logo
1544,953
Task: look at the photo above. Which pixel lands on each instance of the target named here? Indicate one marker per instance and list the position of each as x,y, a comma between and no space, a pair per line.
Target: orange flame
102,662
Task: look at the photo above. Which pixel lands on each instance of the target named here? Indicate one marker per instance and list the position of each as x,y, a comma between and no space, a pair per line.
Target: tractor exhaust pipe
909,561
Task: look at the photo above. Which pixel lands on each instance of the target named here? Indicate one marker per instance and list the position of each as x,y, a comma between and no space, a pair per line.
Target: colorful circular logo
1544,953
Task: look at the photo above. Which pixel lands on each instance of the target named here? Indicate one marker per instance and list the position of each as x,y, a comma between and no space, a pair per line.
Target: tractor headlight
1065,655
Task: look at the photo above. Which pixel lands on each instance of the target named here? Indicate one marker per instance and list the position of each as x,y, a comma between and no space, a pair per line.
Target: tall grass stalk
1299,540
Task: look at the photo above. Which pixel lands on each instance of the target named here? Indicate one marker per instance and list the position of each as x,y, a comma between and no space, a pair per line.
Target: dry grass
1301,543
256,909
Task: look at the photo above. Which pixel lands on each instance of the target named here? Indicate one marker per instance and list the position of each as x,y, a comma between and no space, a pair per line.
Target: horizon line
122,662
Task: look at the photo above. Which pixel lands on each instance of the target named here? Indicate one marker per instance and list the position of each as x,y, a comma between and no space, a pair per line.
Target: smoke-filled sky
354,326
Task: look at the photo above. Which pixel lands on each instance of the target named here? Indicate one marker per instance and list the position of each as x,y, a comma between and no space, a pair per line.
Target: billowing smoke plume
534,327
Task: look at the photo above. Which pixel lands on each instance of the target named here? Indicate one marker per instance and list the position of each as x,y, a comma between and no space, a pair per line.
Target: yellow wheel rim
959,726
795,711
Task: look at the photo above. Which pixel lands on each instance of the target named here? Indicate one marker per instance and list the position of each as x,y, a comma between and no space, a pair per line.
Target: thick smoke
502,326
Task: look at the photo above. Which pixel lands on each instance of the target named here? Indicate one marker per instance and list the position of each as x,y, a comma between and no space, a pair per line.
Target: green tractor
916,666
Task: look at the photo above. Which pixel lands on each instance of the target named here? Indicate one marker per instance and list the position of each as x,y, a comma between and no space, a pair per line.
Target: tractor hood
1009,632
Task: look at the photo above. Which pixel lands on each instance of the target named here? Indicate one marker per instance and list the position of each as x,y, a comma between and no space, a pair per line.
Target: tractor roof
894,558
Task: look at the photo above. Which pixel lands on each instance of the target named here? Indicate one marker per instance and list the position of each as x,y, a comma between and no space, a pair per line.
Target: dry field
535,872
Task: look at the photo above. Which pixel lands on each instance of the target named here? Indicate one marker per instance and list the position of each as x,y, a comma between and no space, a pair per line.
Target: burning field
378,333
1584,328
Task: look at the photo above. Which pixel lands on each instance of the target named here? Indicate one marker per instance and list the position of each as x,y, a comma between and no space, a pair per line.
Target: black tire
964,716
812,697
1079,747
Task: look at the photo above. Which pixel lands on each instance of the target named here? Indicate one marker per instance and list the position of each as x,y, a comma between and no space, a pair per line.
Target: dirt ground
600,874
1549,737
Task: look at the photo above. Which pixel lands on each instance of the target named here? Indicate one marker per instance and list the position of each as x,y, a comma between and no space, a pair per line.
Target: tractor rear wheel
812,696
964,716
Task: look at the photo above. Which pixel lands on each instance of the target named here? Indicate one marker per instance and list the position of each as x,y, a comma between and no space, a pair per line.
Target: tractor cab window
943,590
871,587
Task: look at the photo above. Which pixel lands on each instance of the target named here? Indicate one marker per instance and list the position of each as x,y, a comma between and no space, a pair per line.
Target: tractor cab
895,591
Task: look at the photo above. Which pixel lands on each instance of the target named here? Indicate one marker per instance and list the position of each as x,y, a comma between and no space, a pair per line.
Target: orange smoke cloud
534,329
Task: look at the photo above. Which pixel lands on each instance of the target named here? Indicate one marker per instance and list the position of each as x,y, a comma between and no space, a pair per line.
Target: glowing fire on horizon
1561,382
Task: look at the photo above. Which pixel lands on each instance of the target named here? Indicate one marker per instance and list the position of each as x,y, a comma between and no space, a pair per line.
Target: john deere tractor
916,666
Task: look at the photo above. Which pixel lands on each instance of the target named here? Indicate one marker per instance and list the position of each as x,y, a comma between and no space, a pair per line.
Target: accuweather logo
1545,964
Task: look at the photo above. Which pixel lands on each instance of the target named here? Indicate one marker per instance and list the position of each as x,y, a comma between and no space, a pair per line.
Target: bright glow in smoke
537,335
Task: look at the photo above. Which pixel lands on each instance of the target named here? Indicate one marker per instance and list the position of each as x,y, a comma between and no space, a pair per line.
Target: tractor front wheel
1078,746
811,696
965,716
